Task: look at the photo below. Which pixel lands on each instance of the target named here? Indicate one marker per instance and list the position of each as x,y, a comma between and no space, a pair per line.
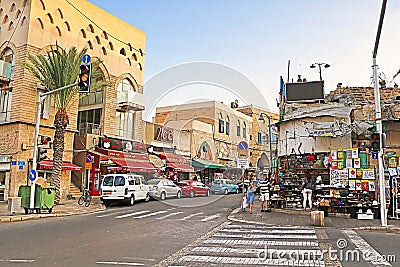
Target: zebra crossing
167,214
240,244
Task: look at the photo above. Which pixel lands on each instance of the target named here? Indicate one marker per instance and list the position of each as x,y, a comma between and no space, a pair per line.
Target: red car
193,188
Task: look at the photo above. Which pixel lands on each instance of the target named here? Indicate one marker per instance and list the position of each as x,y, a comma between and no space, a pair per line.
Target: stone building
30,27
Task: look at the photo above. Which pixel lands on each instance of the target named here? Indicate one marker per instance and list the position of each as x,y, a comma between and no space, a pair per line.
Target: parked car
194,188
163,188
126,188
224,186
246,184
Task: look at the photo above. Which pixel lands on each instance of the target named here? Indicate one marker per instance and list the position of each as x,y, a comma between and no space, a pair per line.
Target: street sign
243,163
88,158
243,145
243,150
86,59
374,155
32,175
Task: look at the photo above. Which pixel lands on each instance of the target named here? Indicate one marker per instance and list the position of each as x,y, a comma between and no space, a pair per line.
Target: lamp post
319,66
261,118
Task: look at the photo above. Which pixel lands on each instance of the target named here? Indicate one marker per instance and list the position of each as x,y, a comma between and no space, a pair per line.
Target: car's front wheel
179,194
162,196
208,193
147,199
132,200
225,191
191,194
237,190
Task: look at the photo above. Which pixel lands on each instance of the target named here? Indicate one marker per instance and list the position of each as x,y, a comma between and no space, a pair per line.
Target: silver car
163,188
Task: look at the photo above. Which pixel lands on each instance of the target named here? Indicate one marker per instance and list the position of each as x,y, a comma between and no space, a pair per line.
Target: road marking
120,263
369,253
233,242
275,236
108,214
190,216
268,231
20,261
257,251
132,214
210,217
251,261
169,215
151,214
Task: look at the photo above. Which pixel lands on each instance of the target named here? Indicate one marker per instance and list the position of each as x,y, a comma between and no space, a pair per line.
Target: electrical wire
115,38
15,28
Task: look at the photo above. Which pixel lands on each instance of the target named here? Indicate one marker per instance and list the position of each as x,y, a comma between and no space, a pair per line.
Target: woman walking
251,191
307,190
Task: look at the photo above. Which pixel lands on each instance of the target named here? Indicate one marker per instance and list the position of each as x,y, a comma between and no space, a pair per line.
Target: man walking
264,185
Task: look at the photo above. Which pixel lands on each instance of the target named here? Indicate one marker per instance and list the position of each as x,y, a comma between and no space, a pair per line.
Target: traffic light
375,142
44,140
85,72
41,154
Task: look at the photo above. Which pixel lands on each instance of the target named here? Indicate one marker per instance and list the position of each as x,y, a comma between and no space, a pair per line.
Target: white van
123,188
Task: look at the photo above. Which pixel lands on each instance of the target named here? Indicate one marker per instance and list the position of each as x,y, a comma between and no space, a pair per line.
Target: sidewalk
65,208
292,217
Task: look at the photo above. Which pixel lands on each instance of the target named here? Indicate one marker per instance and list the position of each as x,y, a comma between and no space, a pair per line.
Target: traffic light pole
378,120
41,97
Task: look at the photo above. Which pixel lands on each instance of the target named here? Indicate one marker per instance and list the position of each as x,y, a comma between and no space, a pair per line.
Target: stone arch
12,8
59,31
5,19
122,51
128,62
130,78
104,51
90,45
24,21
111,46
60,13
67,26
25,3
43,6
82,33
41,25
90,28
139,66
50,18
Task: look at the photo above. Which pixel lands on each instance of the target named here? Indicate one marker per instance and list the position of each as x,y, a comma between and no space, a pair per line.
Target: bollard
317,218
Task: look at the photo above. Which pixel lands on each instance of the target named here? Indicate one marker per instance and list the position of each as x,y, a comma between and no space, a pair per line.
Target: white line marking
169,215
250,261
21,261
210,217
151,214
190,216
120,263
261,242
132,214
269,251
368,252
269,231
251,236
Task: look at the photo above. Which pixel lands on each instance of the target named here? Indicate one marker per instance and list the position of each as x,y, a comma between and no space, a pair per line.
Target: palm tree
54,69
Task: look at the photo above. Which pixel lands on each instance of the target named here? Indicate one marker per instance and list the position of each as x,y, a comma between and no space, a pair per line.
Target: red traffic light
375,137
44,140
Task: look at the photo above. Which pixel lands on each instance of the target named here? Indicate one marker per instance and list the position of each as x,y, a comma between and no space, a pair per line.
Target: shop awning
180,167
172,158
66,166
156,161
136,166
203,163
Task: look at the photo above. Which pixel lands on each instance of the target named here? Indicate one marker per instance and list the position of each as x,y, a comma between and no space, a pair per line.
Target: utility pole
378,120
41,98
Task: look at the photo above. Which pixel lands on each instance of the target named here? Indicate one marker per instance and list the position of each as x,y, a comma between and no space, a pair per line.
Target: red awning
136,166
66,166
180,167
172,158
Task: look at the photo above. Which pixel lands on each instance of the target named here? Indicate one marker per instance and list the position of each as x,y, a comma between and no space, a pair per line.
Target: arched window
90,28
97,38
139,66
89,45
104,35
25,3
60,13
24,21
11,26
82,33
18,14
221,123
1,11
134,56
59,31
125,121
50,18
111,46
43,6
244,130
128,62
67,26
122,51
238,128
227,125
5,20
12,8
39,23
104,51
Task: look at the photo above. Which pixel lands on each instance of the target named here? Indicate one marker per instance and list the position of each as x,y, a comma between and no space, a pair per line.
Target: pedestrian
251,192
307,190
318,184
265,185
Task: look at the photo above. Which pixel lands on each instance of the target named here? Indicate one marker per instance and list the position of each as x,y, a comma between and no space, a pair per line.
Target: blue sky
258,38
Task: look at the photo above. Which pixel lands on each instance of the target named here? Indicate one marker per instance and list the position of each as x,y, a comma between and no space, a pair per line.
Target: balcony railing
6,70
130,100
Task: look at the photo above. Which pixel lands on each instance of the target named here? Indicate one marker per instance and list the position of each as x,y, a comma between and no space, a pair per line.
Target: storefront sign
164,134
122,145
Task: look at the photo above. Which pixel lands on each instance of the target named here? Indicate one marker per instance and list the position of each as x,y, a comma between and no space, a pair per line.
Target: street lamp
319,66
261,118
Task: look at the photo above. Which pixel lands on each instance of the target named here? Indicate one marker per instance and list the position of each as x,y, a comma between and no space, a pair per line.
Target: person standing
251,192
307,190
265,184
318,184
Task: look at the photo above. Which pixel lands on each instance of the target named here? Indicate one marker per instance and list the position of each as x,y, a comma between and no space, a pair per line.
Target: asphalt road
141,235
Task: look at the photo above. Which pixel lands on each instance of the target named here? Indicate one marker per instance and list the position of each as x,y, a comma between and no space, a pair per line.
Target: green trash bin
47,198
24,191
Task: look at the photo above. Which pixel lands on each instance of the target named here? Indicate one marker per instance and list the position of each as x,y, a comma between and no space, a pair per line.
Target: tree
56,68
